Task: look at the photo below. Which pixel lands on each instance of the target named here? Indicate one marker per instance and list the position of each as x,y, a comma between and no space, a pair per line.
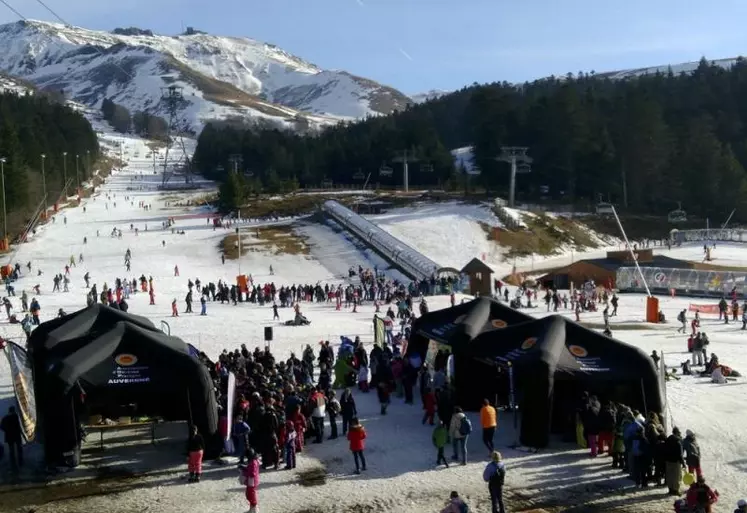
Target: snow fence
721,235
411,262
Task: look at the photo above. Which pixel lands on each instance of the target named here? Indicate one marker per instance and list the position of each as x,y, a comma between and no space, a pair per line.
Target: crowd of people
278,407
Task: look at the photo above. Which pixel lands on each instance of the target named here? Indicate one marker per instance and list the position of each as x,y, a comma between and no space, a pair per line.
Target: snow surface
401,476
451,234
52,54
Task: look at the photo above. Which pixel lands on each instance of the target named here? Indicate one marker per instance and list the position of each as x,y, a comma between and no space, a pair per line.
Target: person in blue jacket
495,475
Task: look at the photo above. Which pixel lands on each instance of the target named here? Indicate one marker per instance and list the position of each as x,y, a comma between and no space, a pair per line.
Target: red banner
710,309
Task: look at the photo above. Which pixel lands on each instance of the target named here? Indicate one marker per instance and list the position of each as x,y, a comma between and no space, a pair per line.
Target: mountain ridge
258,81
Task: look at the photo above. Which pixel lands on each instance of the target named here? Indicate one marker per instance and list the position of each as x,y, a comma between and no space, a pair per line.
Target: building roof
613,265
476,266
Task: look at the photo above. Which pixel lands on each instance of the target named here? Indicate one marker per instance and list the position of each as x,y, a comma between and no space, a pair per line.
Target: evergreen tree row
141,123
645,143
30,126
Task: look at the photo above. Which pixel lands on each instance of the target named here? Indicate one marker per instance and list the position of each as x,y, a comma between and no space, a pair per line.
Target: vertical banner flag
23,386
663,386
379,331
230,399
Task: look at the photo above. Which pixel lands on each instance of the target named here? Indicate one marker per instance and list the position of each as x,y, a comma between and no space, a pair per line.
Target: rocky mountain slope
222,77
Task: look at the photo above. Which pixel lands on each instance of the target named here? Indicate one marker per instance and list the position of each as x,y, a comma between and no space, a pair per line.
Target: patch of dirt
316,476
543,235
278,240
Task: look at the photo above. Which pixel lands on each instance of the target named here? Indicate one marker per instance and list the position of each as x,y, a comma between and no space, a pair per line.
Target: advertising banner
23,386
230,400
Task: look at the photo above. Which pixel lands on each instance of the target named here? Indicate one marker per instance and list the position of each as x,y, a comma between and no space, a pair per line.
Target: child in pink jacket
251,476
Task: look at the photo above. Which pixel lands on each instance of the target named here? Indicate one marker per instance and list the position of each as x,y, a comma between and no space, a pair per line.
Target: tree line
141,123
32,126
643,143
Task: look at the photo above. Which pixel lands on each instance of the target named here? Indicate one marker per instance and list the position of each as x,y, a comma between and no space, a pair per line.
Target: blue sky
418,45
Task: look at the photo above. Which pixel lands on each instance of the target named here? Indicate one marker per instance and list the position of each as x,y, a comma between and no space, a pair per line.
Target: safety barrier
403,256
720,235
687,282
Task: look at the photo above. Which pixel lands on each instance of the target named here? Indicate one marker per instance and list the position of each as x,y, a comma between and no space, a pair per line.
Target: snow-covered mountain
687,67
10,84
221,77
430,95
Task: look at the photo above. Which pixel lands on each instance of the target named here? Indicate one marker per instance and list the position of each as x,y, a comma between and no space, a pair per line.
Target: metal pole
44,183
406,171
238,238
88,161
77,172
5,210
64,172
630,248
728,219
512,186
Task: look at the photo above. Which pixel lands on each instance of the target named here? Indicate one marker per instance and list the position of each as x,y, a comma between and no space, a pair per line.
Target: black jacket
11,426
673,450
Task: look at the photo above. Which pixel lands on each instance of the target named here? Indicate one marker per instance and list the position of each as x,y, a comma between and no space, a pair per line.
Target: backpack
463,508
681,317
465,427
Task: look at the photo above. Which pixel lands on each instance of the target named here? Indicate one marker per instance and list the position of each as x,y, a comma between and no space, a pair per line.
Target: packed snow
444,232
401,476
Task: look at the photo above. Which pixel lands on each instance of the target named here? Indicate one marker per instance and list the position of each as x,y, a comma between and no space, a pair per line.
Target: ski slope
401,476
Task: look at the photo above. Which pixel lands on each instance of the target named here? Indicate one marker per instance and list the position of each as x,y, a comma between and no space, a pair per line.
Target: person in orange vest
488,421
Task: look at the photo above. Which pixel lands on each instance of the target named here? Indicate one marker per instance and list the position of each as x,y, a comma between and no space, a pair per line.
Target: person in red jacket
429,405
356,436
700,495
299,423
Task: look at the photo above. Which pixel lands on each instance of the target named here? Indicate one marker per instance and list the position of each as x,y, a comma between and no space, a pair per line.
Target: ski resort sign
128,372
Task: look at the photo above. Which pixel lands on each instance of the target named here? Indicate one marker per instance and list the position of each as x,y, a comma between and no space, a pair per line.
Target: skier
176,270
275,315
203,305
682,317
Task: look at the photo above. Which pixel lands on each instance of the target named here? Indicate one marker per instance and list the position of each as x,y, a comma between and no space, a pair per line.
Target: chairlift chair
523,168
677,216
604,208
358,175
385,170
426,168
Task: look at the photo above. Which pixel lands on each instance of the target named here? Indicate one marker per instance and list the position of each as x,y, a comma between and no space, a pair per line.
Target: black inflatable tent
102,358
553,361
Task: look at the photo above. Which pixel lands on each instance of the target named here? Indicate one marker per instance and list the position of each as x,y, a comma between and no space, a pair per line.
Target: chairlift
358,175
385,170
326,184
677,216
523,168
248,173
426,168
604,208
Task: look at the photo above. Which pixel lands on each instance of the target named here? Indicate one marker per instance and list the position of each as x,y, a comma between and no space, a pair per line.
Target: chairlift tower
236,161
520,163
173,97
406,158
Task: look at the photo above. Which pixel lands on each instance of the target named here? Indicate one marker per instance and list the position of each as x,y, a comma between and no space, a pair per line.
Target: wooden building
480,280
